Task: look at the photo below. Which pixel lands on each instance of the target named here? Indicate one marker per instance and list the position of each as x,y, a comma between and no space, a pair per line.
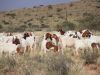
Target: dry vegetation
50,64
39,63
48,17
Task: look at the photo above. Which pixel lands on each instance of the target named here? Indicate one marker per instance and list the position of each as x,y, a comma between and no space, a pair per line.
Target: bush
11,15
61,17
77,69
44,26
50,7
20,28
66,26
57,64
50,15
59,9
90,21
98,0
90,57
7,64
71,4
30,25
5,22
1,26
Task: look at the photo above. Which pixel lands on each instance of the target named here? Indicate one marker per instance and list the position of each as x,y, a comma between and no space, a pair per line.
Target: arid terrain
48,17
81,14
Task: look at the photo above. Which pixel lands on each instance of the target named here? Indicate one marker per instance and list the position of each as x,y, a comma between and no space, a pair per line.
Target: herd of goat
56,41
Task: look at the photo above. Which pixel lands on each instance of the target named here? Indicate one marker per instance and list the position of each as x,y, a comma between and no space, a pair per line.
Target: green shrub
20,28
66,26
44,26
11,15
5,22
50,7
71,4
59,9
50,15
1,26
90,21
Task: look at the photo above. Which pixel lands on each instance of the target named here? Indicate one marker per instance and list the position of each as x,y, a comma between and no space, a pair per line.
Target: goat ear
80,31
75,32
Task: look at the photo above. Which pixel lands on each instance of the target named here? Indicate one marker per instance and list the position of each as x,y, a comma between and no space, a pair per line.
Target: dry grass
43,64
50,63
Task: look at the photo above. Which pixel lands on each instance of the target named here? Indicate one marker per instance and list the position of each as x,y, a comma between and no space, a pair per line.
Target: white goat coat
83,44
8,47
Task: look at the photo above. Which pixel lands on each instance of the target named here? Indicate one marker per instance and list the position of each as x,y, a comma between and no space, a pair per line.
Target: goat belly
49,45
